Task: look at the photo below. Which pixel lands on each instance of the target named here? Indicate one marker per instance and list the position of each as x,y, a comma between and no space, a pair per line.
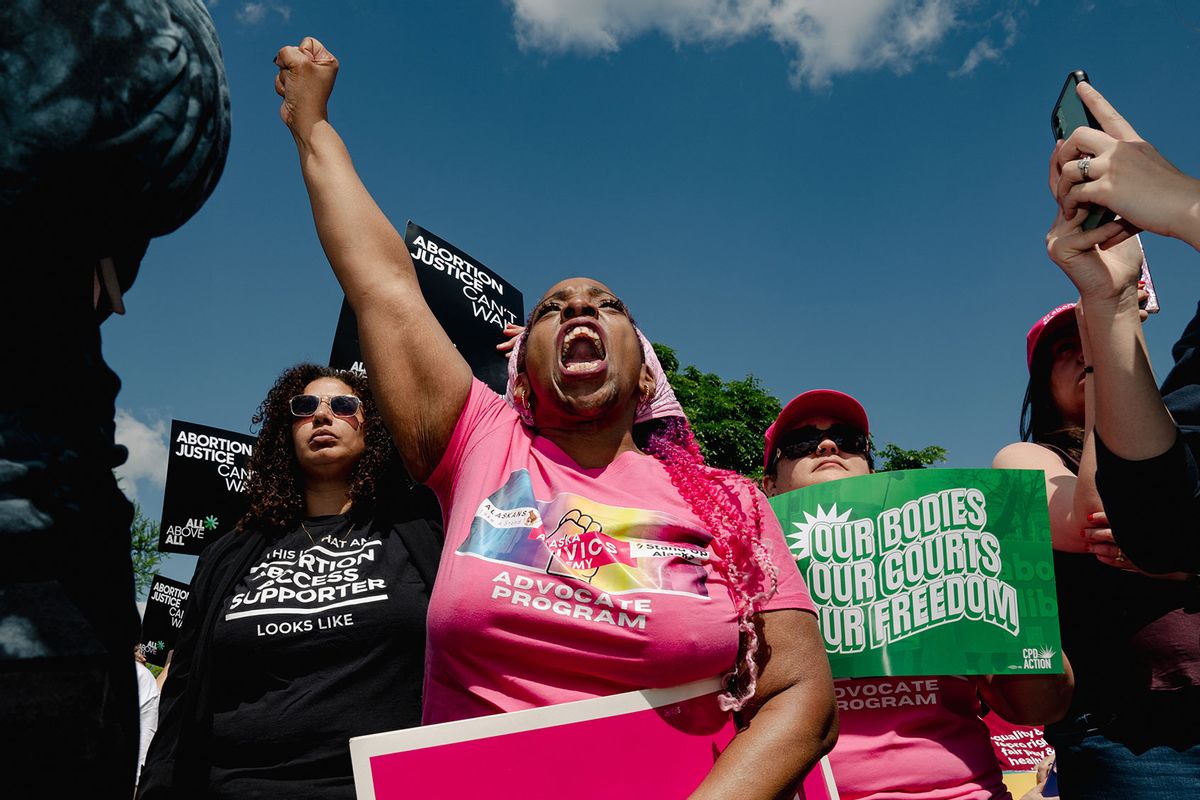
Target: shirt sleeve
484,413
156,780
1153,506
791,591
1184,376
147,711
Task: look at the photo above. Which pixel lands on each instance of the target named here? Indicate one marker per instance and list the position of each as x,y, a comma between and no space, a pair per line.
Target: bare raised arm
418,377
1129,411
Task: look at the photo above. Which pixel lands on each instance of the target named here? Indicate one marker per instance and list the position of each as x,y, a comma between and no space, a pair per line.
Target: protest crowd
419,548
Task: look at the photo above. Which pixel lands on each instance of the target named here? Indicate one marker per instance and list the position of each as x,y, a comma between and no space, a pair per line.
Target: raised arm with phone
1145,473
1134,640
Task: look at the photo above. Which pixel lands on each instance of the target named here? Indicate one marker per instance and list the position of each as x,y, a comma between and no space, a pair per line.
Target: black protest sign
346,354
472,303
164,615
206,485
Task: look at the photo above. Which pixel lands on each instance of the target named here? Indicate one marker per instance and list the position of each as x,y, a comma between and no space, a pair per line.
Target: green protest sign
929,572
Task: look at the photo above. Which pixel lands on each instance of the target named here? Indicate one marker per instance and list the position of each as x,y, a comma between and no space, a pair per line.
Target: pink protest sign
655,743
1019,748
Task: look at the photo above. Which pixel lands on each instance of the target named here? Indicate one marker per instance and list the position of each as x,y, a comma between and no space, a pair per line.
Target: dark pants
1152,753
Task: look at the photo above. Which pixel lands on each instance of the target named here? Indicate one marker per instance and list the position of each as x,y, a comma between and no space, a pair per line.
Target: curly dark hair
276,484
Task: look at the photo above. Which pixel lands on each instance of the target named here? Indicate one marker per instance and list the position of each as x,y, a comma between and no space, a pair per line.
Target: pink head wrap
660,405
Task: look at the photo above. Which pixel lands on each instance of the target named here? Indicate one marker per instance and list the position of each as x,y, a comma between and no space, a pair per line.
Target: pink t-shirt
914,738
559,583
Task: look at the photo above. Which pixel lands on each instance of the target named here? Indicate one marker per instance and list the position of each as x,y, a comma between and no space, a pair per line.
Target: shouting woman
590,550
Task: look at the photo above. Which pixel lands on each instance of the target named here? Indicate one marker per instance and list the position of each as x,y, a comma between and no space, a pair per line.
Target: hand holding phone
1070,113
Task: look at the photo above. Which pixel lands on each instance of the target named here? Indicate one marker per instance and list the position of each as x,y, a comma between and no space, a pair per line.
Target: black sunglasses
805,441
340,405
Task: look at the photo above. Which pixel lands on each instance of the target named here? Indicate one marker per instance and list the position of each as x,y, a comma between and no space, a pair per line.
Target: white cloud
981,52
254,13
824,38
984,50
147,445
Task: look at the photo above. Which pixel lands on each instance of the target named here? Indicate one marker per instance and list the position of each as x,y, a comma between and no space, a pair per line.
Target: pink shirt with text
914,738
560,583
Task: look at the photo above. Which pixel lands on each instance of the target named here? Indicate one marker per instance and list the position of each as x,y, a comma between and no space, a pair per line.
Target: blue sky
818,192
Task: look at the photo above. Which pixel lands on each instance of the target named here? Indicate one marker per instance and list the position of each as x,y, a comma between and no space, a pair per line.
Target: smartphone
1070,113
1050,790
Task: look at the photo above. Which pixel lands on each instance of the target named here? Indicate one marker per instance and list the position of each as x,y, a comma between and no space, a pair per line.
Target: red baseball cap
817,403
1055,320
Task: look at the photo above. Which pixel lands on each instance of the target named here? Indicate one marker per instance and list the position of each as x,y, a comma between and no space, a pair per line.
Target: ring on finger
1084,164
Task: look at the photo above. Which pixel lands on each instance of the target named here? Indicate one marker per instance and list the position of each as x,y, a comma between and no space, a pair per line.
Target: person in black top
1147,442
1133,728
306,625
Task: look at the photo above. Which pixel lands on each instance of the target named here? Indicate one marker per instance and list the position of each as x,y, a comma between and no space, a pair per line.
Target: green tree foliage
728,417
893,457
143,548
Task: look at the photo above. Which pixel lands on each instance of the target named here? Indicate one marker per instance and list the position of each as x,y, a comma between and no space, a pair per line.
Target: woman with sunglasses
1133,729
306,625
914,737
590,551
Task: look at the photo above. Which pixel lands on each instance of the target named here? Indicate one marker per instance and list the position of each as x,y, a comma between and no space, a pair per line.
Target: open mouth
581,350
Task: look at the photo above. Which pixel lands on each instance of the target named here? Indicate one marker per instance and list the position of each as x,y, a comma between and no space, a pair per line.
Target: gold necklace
308,533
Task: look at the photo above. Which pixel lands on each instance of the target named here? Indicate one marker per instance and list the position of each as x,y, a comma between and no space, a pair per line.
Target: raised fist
305,81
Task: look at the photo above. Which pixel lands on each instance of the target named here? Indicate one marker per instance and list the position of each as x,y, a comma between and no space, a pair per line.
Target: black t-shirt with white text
324,639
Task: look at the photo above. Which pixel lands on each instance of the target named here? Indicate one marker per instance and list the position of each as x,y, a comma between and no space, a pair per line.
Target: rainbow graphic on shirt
613,548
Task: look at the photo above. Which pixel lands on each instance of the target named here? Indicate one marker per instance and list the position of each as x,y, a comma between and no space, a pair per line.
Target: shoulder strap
1068,460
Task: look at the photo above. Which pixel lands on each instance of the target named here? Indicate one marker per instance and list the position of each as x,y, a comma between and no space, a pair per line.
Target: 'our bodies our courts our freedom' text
924,564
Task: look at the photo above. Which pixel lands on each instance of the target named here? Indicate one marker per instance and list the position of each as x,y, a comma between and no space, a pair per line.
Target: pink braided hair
743,560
